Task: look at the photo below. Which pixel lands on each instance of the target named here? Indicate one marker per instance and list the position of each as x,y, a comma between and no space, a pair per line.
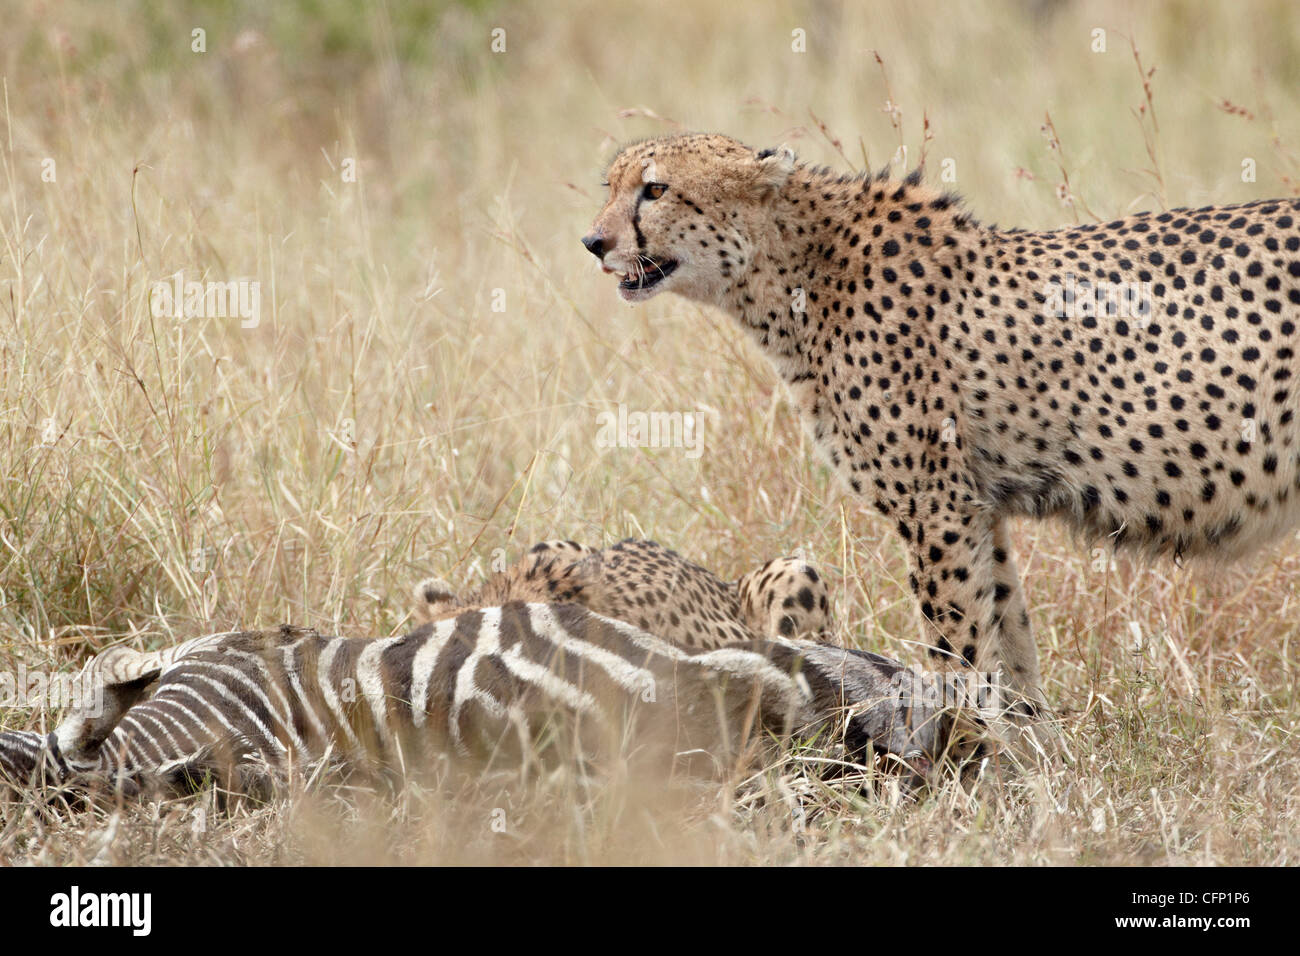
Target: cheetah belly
1161,482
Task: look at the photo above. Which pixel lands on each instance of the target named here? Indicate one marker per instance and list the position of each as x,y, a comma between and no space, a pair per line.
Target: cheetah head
683,214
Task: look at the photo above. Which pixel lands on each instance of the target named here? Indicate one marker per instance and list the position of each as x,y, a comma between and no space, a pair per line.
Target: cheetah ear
433,598
774,167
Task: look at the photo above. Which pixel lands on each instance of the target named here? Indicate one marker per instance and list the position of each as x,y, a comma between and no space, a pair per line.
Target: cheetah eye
653,190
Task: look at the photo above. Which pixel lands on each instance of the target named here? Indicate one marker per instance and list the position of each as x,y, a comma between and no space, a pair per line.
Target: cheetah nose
595,245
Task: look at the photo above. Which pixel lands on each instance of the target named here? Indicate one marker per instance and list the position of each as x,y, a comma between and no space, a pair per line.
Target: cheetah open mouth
650,273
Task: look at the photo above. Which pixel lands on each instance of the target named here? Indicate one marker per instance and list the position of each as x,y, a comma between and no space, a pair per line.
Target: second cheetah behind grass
655,589
1134,378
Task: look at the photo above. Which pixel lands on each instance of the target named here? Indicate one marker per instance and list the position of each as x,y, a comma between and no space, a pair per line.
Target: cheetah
655,589
956,375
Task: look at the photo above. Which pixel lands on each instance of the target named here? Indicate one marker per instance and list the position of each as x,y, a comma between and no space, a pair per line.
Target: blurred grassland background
159,478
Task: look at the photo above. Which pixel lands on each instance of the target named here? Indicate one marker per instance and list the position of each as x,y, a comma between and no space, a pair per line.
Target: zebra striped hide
520,682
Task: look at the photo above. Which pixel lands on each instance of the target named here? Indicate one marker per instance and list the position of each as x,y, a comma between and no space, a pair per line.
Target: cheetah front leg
1016,645
950,559
972,605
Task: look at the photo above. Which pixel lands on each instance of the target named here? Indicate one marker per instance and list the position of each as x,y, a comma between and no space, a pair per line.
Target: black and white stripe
516,682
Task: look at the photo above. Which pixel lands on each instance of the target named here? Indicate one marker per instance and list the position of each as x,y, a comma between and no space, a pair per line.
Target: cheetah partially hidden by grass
952,376
655,589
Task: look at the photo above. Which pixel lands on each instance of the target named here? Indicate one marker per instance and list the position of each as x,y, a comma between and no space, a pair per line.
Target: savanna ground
435,346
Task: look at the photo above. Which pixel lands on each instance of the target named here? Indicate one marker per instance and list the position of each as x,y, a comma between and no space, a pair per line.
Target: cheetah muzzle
648,274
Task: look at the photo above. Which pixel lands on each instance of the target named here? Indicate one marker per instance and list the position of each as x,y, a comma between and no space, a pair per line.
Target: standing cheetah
956,374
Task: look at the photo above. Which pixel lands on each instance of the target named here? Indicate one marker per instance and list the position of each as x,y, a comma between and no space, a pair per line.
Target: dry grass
382,423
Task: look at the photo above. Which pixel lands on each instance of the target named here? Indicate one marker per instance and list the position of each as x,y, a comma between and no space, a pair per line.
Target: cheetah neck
825,249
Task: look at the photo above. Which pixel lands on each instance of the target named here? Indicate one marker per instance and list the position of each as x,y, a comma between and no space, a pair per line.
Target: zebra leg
108,686
32,763
21,757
